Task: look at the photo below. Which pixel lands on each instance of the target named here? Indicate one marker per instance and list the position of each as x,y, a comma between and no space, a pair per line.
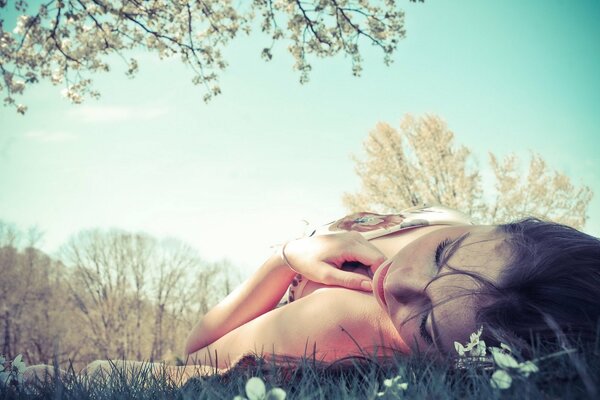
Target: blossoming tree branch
66,41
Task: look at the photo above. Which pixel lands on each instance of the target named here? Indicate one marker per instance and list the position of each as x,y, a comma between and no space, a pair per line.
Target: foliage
421,164
66,41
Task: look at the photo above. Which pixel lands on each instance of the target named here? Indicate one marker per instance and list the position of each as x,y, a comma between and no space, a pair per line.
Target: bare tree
100,287
174,262
421,164
134,291
36,317
118,294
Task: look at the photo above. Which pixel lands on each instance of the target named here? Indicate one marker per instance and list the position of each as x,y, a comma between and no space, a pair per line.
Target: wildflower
393,386
475,347
256,390
508,366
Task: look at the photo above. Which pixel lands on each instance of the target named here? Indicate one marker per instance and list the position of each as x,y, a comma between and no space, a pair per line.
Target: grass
568,376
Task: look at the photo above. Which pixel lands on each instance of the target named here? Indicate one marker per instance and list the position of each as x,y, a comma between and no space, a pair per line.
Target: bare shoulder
338,322
346,318
332,322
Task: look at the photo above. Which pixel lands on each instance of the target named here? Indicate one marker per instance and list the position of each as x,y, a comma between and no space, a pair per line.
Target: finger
366,254
350,280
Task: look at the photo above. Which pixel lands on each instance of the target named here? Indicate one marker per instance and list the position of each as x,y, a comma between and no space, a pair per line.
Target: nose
407,286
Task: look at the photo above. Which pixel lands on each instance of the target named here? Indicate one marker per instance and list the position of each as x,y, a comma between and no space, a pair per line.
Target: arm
257,295
351,321
317,258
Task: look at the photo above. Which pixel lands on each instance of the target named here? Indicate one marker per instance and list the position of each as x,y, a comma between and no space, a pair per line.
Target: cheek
409,338
455,321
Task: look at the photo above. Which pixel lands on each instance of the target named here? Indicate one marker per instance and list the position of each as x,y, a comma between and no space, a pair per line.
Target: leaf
4,376
502,360
500,380
19,364
255,389
276,394
459,349
527,368
505,348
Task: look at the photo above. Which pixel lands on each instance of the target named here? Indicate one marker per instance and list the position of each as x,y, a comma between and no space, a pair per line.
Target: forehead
482,252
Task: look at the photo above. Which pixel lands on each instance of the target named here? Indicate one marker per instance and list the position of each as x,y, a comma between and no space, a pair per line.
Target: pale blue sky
236,175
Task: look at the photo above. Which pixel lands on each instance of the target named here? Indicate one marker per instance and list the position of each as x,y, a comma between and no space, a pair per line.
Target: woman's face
402,284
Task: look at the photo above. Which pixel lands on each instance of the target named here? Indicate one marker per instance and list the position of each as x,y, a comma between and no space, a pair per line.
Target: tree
137,295
36,315
420,164
65,41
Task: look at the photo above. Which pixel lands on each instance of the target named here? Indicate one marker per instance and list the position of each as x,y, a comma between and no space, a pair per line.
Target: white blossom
75,37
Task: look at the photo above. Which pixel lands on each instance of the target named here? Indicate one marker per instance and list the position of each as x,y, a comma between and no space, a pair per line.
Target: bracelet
285,259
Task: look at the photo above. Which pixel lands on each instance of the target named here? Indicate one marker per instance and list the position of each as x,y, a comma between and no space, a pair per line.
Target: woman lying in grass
436,278
416,281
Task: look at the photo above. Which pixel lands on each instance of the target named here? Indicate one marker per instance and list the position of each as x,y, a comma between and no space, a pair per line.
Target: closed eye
439,250
423,329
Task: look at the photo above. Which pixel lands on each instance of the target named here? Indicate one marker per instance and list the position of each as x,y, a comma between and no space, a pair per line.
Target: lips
381,274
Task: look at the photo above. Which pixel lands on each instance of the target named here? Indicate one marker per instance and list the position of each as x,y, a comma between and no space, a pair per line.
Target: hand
319,258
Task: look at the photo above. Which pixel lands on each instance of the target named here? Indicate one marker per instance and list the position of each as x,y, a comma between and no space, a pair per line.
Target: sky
239,174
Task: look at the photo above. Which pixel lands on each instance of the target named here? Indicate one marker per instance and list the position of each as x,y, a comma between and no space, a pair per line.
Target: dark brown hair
550,290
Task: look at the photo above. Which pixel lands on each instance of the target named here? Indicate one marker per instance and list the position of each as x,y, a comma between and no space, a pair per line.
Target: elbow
190,346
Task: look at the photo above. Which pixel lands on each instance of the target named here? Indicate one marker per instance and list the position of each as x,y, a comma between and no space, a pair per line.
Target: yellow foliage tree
419,163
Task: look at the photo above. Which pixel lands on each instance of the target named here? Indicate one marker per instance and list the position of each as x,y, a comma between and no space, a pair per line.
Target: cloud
117,113
49,136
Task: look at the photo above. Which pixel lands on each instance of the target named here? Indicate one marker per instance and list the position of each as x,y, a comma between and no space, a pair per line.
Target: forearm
258,294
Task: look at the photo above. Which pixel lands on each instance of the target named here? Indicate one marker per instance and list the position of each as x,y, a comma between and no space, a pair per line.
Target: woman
416,281
436,278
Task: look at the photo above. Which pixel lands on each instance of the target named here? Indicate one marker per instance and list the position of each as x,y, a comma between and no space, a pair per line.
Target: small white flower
503,359
475,347
393,386
256,390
